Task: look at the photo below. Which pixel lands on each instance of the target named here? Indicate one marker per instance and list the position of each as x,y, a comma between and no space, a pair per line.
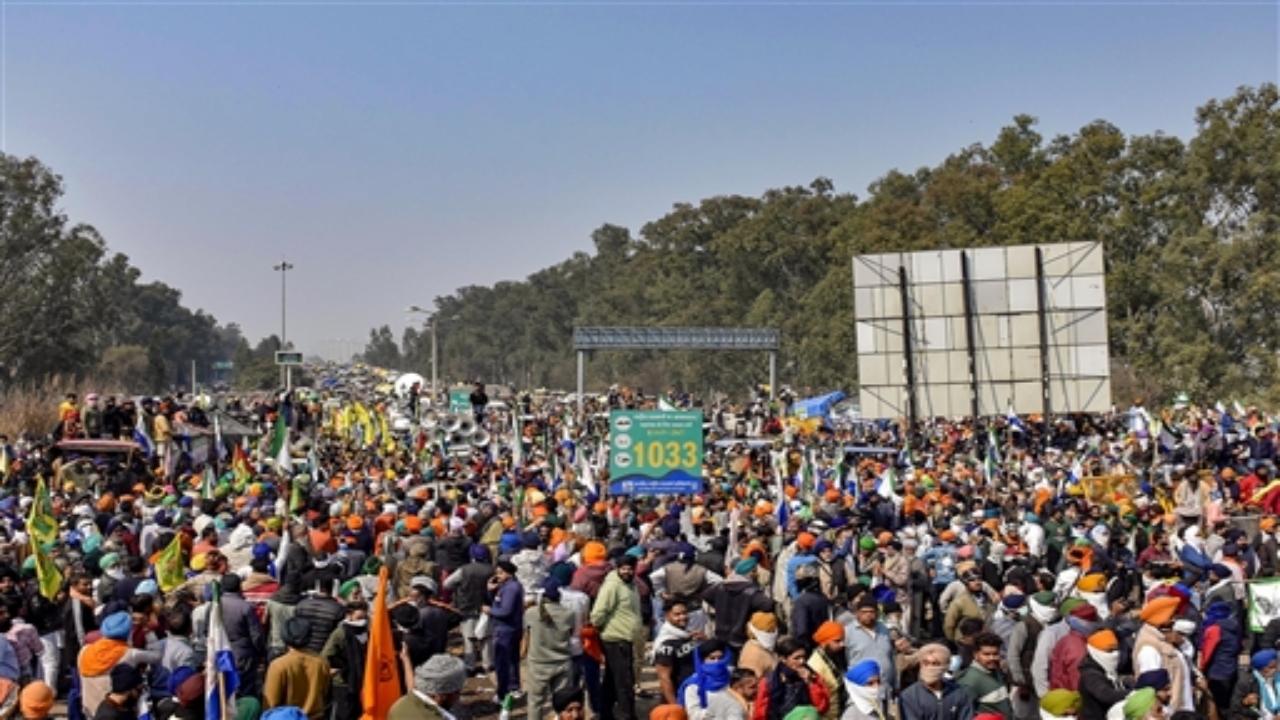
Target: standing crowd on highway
337,556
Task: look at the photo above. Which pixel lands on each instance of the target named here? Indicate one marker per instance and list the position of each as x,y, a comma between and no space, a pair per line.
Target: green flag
41,525
169,567
295,494
207,481
279,448
48,575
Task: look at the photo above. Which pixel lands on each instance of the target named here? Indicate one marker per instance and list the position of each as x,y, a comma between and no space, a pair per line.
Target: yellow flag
47,573
41,525
388,440
169,567
366,425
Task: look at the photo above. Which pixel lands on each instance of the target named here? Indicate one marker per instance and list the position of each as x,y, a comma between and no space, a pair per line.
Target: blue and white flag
144,706
220,450
141,437
220,677
1015,422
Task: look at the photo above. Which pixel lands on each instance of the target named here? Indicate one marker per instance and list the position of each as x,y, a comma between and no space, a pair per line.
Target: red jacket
1064,665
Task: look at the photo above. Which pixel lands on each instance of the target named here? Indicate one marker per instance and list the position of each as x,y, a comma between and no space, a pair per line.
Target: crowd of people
1091,567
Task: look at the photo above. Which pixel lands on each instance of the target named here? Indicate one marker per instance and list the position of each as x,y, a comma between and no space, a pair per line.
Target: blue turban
707,677
1159,678
551,589
91,543
746,565
117,626
685,551
863,672
509,543
1014,601
883,594
1263,658
480,553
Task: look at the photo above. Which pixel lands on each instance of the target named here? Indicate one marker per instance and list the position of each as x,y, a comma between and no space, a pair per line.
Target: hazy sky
397,151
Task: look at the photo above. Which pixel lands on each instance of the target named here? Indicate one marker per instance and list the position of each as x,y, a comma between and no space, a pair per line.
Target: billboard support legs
1042,301
967,288
908,348
582,381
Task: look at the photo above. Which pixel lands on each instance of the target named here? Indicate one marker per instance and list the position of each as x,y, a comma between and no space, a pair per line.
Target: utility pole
431,318
283,268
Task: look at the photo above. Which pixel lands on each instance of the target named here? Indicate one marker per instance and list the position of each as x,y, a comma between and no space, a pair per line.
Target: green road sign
460,400
655,452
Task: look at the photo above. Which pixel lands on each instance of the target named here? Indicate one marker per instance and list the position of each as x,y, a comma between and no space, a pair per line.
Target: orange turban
1160,611
36,700
354,522
1104,640
413,524
1267,524
806,540
828,632
1092,583
593,552
558,536
947,536
668,712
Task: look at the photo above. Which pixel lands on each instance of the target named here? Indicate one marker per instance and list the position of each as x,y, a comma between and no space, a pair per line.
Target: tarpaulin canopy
816,407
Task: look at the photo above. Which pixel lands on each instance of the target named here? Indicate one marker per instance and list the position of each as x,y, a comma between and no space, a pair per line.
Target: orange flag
381,677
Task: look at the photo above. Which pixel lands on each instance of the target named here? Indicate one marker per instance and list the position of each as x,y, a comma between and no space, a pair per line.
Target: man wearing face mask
1041,612
1100,685
862,684
345,652
762,636
1008,615
933,696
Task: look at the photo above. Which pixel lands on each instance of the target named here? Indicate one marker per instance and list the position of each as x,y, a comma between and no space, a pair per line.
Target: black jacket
734,601
244,632
453,552
472,591
324,614
810,609
1097,692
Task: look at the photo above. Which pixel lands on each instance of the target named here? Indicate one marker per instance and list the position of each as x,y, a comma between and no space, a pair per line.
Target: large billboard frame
975,330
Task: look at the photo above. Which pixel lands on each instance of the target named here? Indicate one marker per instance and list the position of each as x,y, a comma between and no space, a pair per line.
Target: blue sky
395,152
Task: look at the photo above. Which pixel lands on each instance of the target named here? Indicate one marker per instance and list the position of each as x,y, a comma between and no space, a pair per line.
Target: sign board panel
1003,299
460,400
284,357
222,365
655,452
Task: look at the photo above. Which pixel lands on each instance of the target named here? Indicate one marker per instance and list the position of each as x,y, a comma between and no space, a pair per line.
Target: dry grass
33,407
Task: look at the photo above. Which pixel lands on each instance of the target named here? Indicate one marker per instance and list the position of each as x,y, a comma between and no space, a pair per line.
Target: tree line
71,308
1191,230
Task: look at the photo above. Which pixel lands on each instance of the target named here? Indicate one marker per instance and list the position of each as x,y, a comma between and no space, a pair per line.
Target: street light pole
283,268
431,317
